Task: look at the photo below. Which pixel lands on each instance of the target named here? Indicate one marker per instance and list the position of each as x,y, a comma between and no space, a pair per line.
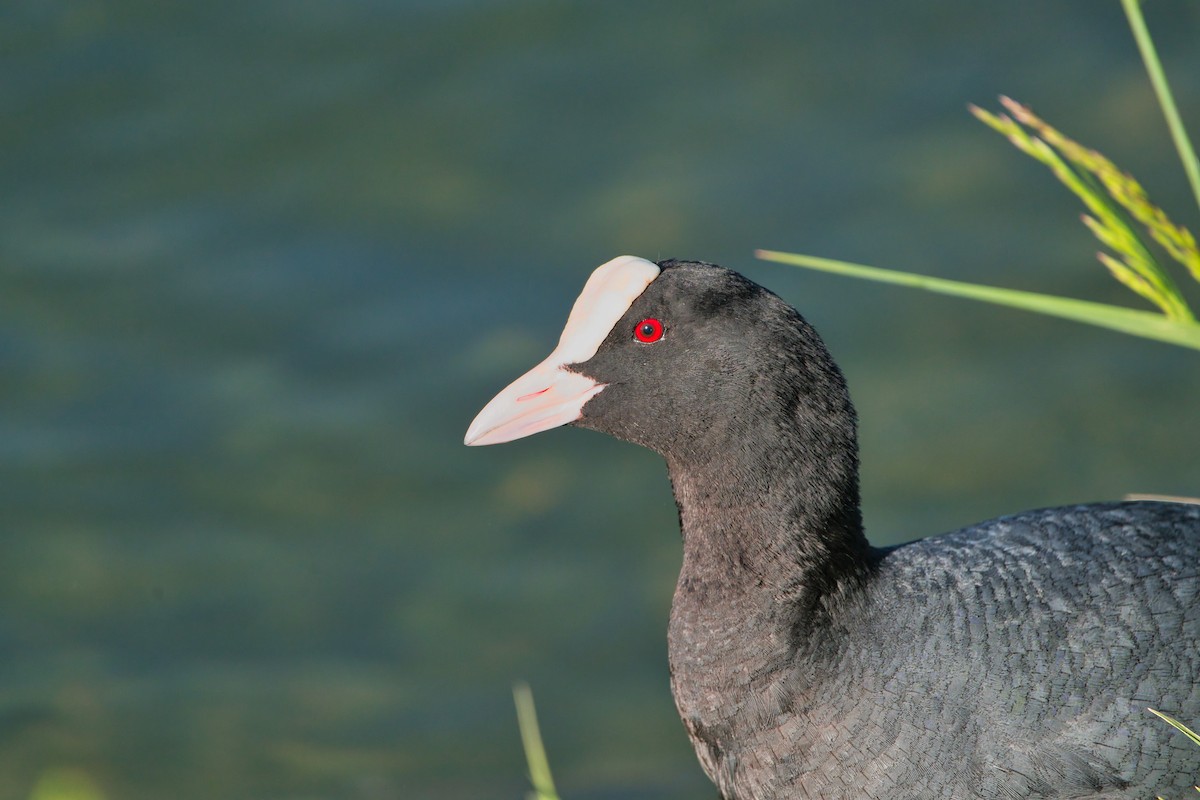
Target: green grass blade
1126,320
1137,24
1179,726
531,739
66,783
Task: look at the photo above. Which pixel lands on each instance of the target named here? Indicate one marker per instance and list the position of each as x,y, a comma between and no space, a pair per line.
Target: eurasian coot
1014,658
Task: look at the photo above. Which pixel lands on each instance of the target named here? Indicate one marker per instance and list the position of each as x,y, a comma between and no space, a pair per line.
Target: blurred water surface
260,263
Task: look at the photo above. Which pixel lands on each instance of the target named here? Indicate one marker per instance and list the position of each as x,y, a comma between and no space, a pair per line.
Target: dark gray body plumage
1012,659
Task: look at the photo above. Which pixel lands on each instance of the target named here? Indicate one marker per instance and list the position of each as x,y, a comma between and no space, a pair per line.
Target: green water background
260,264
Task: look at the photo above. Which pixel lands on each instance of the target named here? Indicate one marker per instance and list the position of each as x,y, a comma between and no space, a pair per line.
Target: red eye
648,330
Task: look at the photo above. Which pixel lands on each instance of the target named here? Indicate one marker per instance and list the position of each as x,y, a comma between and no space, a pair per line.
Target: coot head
681,357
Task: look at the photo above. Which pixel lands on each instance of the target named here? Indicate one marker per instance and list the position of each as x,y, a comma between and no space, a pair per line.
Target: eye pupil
648,330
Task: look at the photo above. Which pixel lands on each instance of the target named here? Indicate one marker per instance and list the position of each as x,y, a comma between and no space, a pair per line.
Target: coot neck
774,504
772,546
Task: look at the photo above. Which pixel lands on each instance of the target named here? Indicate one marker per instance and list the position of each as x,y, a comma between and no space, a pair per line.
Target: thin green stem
531,738
1133,10
1148,324
1184,729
